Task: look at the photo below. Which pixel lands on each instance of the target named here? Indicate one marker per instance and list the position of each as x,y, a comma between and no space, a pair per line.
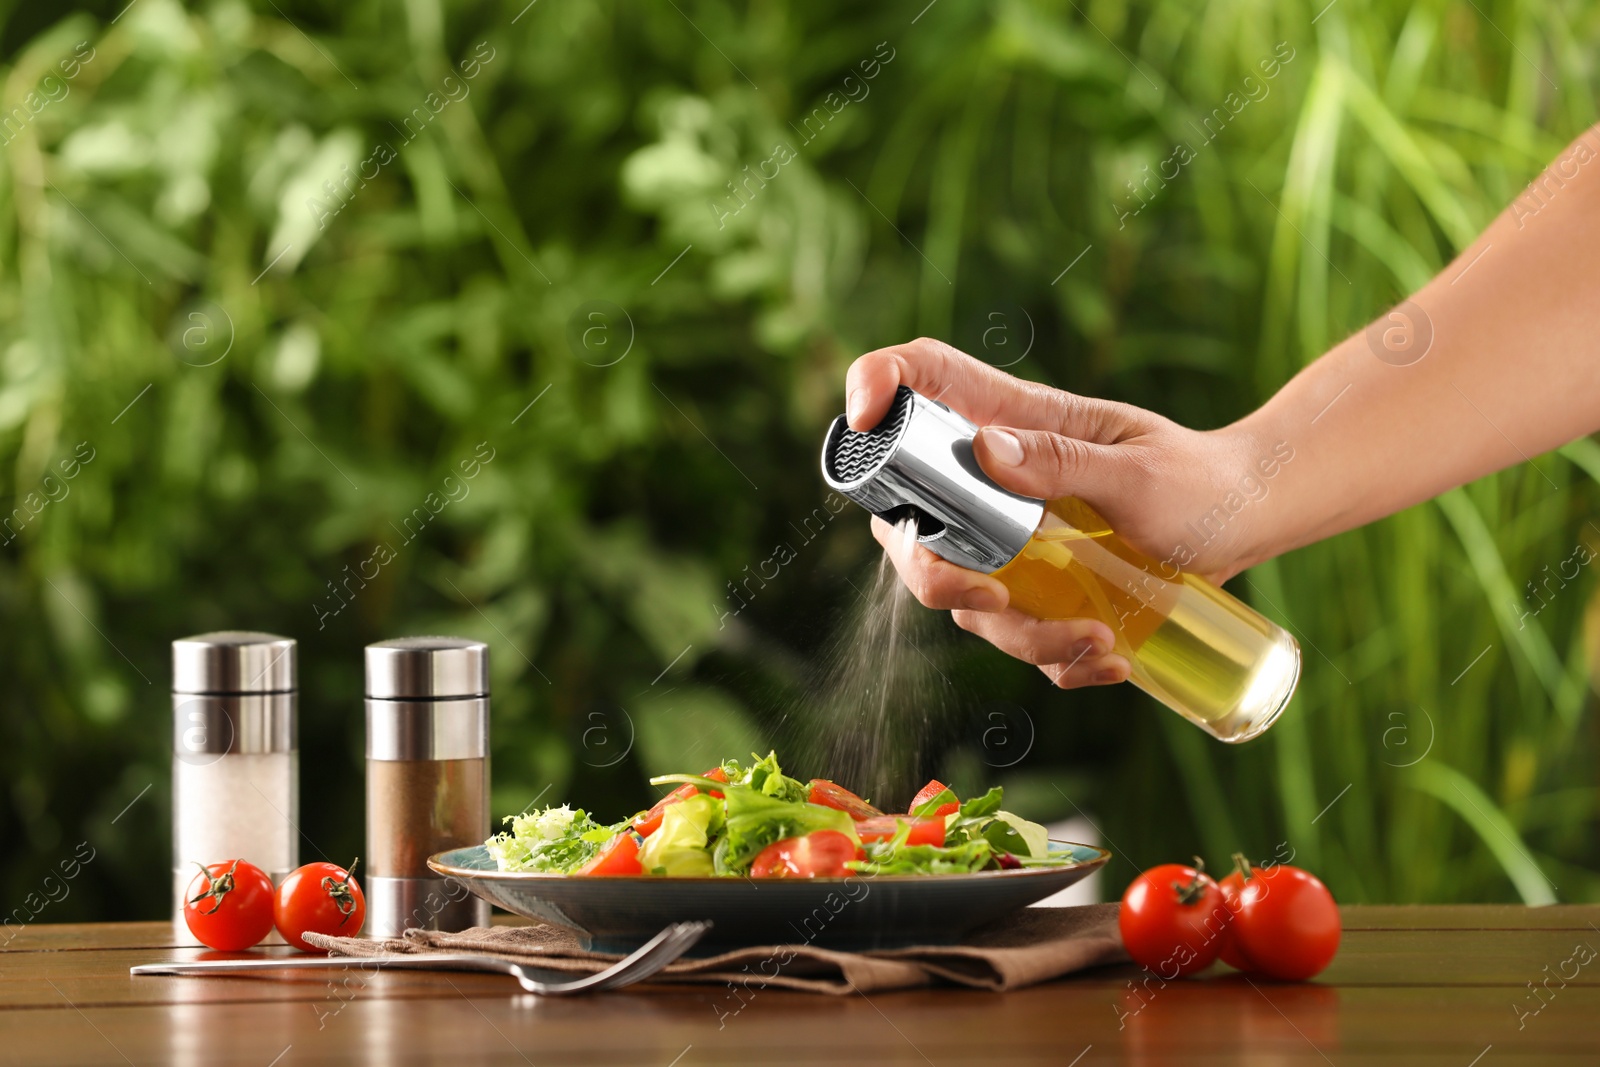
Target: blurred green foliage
282,267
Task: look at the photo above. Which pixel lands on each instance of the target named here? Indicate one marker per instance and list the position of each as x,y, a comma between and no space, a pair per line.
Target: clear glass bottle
235,757
1192,646
427,779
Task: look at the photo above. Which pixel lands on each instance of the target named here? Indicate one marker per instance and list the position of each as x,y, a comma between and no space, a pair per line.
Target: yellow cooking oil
1192,646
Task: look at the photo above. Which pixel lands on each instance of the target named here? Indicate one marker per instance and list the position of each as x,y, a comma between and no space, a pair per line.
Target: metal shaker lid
233,661
918,463
427,668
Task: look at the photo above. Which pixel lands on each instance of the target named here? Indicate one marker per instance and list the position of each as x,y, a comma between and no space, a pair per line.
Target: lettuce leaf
704,835
681,845
756,820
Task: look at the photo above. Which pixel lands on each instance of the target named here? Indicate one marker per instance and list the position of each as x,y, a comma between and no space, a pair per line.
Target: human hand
1149,477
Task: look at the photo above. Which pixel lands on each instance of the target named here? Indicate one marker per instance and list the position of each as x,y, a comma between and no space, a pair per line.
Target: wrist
1261,459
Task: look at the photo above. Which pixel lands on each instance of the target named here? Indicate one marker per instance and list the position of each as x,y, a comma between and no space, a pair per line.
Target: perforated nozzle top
918,463
850,455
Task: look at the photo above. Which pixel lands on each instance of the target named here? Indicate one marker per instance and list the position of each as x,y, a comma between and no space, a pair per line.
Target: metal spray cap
918,463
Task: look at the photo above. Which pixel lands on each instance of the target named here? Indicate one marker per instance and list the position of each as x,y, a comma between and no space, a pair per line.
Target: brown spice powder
418,807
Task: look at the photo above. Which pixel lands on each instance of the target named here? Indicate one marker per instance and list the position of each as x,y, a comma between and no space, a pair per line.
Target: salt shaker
427,779
235,760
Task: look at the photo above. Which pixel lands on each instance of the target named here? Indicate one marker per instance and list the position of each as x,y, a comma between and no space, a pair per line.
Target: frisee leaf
554,840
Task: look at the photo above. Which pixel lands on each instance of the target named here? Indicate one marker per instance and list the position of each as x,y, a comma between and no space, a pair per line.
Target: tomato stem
217,887
1188,894
338,889
1241,863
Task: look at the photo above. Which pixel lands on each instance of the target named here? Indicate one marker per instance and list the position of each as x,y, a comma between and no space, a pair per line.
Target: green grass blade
1392,138
1463,796
1490,570
1584,453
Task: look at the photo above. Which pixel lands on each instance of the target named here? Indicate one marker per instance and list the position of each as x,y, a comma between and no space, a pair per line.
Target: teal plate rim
447,863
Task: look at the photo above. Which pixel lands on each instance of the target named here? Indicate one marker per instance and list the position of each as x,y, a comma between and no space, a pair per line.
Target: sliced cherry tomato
620,855
930,792
819,854
649,822
319,898
830,795
229,905
1173,919
1285,922
884,827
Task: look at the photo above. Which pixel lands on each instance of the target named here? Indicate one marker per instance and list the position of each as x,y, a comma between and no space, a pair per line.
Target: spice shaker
427,779
235,759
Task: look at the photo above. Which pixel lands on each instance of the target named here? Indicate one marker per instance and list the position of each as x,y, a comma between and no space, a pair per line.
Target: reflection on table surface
1411,985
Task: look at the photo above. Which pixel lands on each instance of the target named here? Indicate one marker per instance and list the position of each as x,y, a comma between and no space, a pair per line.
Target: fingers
1038,641
1071,652
1109,670
1039,463
973,388
935,582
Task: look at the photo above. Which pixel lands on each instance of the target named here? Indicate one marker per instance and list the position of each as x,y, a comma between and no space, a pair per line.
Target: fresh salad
755,821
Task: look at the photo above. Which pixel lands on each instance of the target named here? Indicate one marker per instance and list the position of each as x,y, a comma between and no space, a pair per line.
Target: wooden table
1411,985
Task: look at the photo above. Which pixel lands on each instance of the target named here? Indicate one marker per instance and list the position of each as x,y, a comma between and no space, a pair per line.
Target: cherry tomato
819,854
883,827
229,905
929,792
1173,919
649,822
1285,922
830,795
620,855
321,898
1231,886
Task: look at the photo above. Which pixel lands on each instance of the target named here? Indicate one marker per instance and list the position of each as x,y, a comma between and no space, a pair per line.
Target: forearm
1513,370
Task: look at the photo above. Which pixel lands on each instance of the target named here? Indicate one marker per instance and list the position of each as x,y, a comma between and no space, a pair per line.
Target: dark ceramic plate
890,911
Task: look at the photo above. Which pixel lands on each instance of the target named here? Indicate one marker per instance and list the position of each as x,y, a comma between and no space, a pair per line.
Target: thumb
1048,465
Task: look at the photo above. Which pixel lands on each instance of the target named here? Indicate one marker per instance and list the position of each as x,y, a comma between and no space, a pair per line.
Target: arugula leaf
972,820
896,857
987,804
1016,835
766,776
698,781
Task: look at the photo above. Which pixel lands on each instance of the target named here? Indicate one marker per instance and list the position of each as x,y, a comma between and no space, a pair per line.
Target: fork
643,962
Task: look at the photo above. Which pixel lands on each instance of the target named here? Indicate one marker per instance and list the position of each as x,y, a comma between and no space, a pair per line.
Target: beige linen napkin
1032,945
